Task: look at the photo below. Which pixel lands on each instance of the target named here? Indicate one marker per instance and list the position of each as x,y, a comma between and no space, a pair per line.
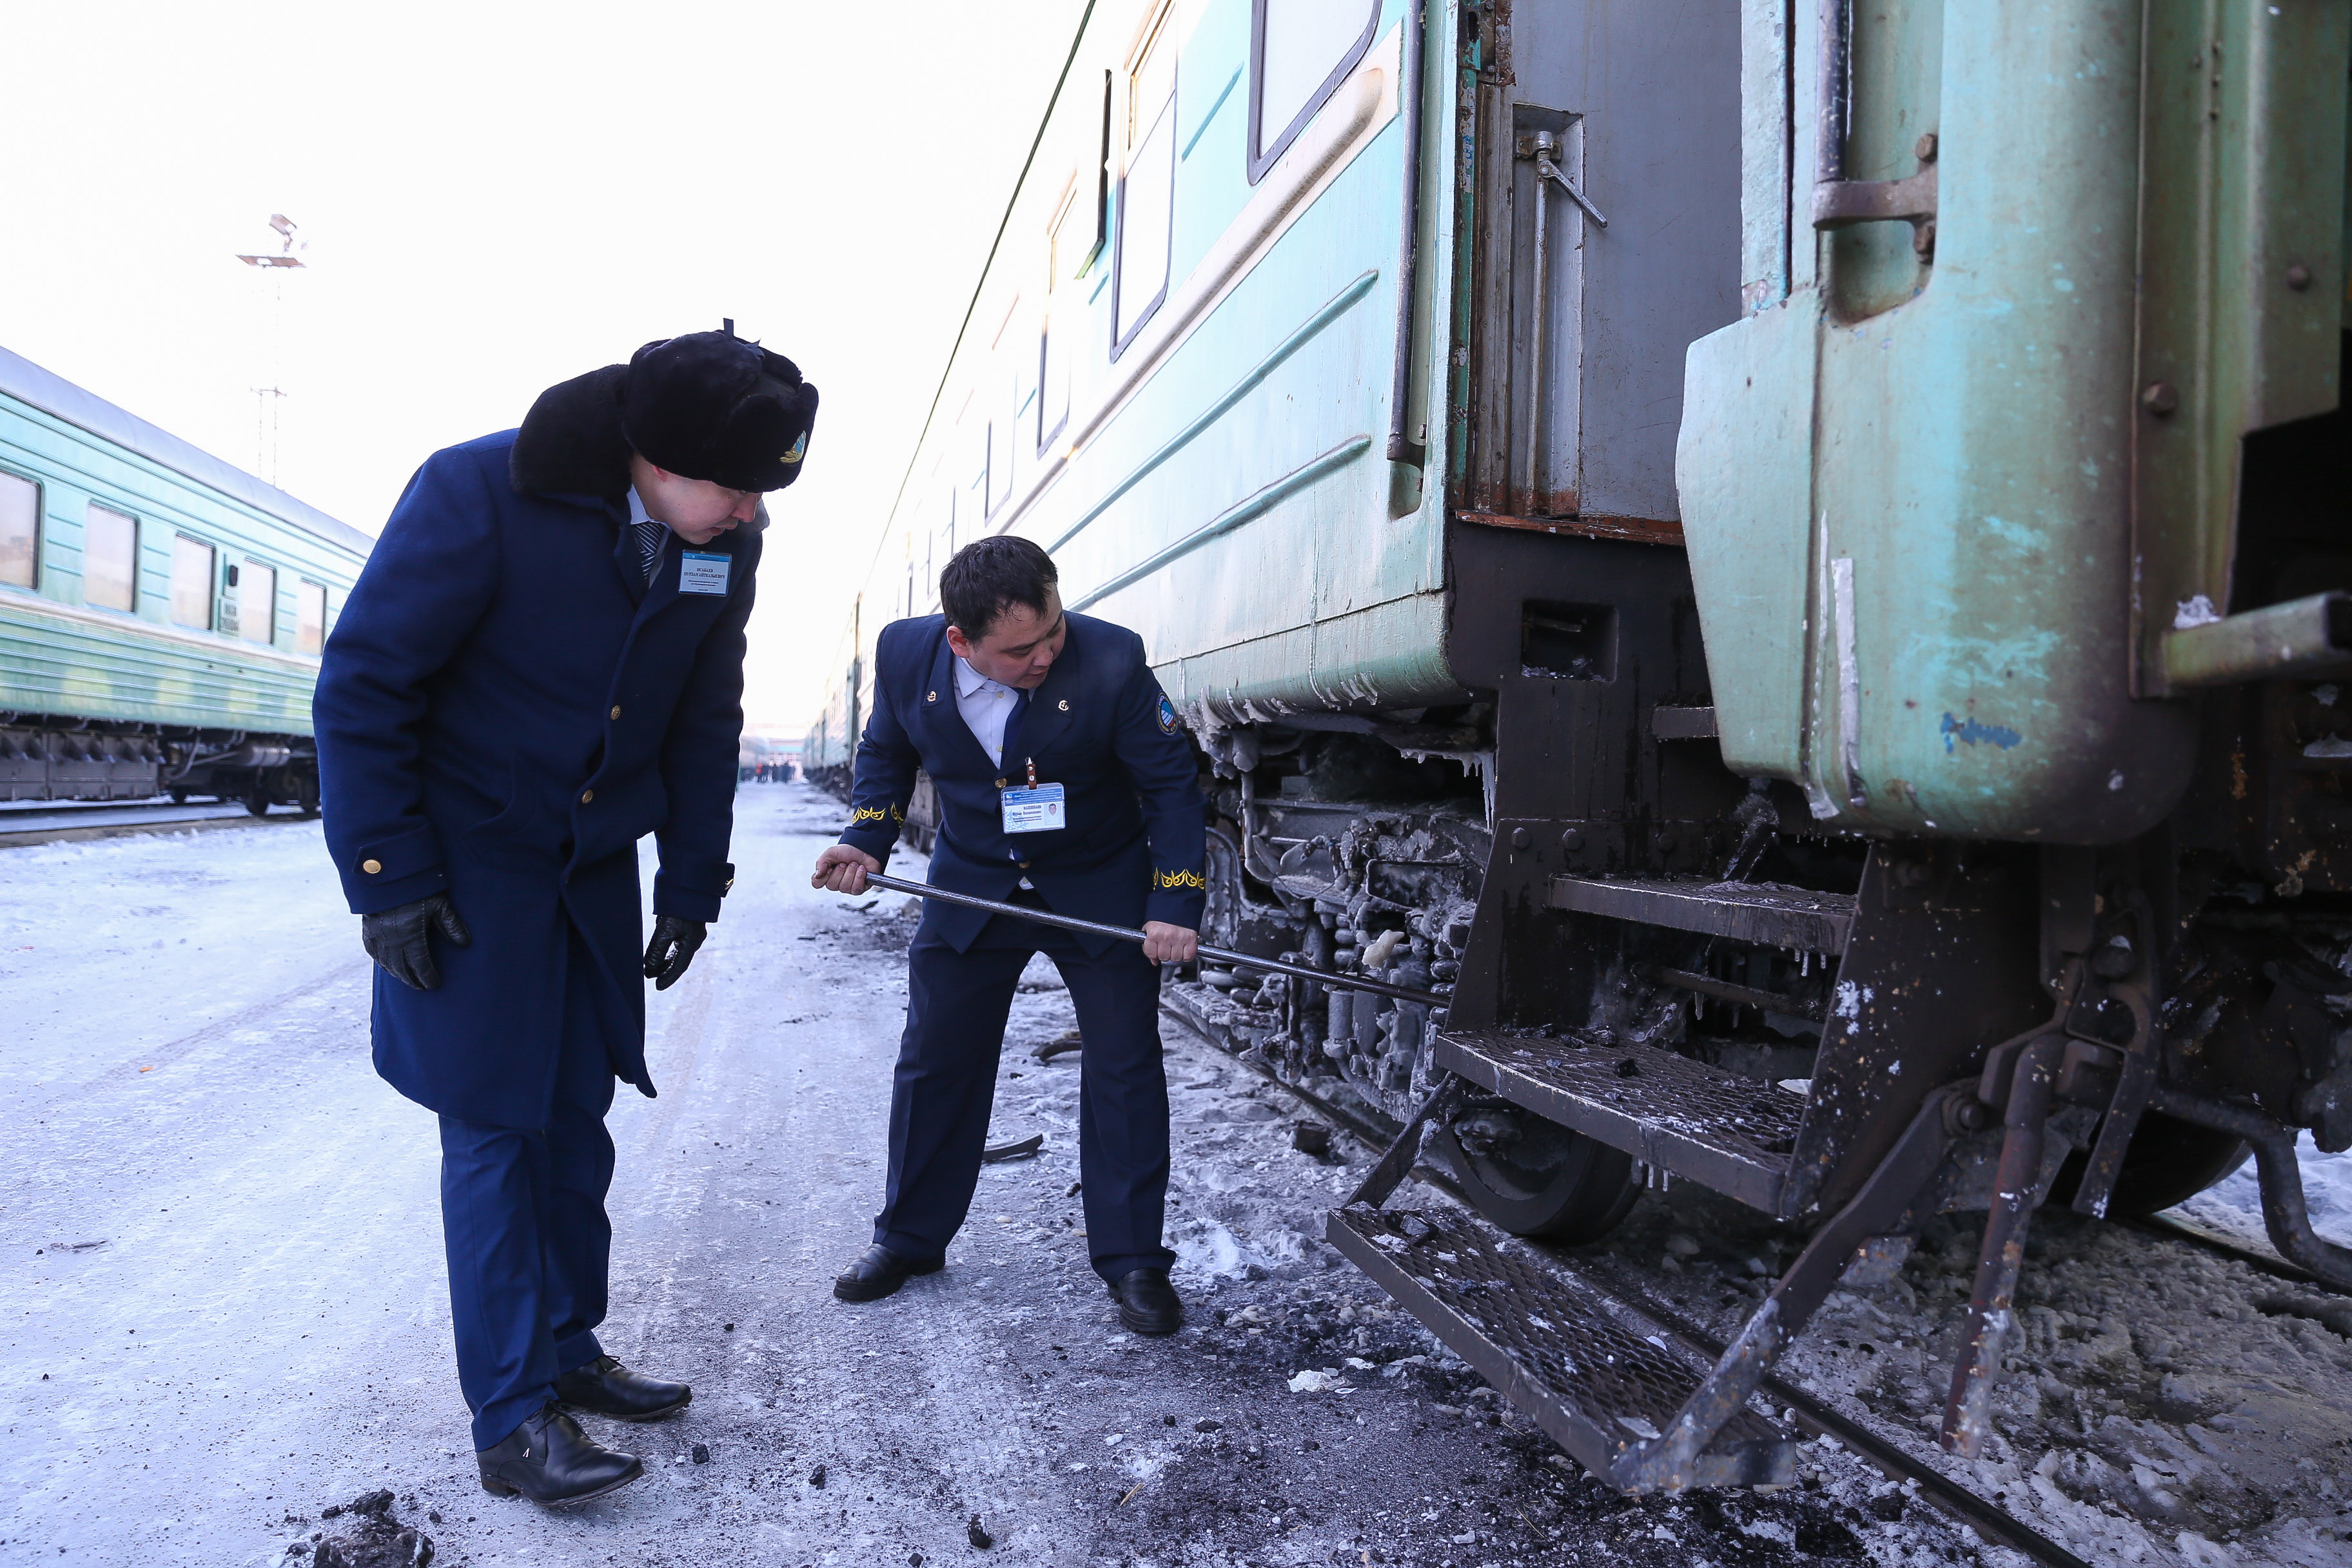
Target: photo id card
1036,809
701,572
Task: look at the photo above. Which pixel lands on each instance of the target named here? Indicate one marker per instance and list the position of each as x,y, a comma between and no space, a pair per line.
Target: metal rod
1968,1412
1724,991
1122,934
1536,337
1402,447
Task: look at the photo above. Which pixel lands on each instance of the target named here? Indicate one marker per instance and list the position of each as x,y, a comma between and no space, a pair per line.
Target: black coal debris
375,1538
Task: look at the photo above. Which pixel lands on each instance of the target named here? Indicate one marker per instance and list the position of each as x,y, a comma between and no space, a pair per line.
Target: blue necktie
1012,759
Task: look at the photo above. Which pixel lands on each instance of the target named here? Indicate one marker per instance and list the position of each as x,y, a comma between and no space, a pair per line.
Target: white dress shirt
985,705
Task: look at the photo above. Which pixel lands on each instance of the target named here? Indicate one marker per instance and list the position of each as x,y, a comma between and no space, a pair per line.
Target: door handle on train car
1841,203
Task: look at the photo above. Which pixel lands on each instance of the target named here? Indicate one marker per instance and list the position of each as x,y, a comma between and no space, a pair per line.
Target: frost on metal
2195,611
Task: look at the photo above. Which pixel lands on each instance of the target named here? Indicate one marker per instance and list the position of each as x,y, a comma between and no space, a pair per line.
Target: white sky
496,197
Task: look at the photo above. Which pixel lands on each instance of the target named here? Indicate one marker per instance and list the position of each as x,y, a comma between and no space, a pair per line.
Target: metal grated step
1602,1382
1744,912
1731,1134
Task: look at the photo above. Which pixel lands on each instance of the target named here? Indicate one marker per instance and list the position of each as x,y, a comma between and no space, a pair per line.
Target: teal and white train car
162,612
1790,559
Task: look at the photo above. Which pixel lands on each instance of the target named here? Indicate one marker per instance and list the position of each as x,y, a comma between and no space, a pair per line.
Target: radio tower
267,398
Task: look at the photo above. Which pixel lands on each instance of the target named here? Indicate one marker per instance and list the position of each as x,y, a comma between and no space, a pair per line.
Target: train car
161,612
1788,562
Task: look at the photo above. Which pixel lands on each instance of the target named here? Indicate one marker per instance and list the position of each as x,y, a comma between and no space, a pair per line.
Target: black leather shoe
879,1272
1148,1304
605,1387
549,1461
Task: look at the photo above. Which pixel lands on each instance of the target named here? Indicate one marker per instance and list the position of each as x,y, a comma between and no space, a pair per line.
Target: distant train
161,612
1796,559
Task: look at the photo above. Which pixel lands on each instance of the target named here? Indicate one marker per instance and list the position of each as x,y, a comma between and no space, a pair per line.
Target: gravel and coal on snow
2162,1405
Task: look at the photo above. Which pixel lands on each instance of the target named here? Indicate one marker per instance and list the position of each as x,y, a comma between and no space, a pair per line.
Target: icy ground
222,1309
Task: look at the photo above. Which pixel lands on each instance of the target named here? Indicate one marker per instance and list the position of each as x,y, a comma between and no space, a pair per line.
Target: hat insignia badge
800,447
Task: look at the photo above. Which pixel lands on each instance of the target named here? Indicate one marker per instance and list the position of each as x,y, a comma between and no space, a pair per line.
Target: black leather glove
672,949
399,938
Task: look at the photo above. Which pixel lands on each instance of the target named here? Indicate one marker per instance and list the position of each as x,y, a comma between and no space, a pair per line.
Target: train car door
1604,171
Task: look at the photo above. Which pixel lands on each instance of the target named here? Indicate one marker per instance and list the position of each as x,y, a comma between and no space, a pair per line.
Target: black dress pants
957,1003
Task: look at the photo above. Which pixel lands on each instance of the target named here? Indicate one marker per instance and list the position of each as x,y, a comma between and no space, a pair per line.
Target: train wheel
256,801
1535,1178
2169,1162
179,797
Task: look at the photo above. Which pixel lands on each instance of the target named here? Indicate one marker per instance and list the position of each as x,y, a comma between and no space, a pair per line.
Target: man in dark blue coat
541,663
1064,781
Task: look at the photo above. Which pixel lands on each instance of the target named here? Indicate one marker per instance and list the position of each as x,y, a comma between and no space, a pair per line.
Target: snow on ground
2159,1404
2234,1206
222,1307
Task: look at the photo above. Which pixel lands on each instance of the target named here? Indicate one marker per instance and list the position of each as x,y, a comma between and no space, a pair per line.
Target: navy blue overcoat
504,709
1135,846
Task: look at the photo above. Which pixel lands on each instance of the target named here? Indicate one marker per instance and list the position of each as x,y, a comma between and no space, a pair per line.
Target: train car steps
1744,911
1733,1134
1603,1381
1605,1384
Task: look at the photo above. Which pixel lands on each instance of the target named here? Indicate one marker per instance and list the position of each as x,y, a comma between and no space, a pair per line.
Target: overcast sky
496,197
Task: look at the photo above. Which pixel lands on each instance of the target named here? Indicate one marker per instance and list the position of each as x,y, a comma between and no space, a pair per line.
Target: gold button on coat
371,867
999,783
616,710
586,795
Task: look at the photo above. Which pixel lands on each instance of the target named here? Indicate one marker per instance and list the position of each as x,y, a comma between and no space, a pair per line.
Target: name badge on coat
1040,808
702,572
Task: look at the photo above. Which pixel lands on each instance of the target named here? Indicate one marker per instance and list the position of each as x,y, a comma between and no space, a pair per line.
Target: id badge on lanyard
1036,808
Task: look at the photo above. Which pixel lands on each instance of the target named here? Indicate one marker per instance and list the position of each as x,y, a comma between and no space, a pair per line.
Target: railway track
24,826
1986,1518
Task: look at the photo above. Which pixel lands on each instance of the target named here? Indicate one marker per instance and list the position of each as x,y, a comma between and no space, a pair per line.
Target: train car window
1301,51
1147,191
257,603
109,559
1102,186
20,530
310,619
192,583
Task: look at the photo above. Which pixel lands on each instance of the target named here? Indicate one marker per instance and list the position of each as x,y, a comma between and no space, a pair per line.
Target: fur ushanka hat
711,405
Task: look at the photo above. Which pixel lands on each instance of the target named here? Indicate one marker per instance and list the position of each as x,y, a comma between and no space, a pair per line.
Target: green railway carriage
1791,559
161,612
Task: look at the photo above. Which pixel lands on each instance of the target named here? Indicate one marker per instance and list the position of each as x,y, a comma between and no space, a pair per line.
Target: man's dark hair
988,576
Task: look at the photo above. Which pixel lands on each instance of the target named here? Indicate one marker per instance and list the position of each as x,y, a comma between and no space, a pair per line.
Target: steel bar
1968,1412
1724,991
1122,934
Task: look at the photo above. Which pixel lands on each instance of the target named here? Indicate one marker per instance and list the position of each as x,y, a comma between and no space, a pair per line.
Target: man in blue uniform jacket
1064,781
541,663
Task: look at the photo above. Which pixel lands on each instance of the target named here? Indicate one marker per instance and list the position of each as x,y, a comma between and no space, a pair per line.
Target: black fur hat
711,405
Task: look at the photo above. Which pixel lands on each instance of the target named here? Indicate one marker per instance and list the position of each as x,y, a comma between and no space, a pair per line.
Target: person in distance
1065,782
542,662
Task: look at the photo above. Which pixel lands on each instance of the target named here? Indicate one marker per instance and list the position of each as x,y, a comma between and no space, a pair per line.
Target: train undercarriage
1657,970
52,757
